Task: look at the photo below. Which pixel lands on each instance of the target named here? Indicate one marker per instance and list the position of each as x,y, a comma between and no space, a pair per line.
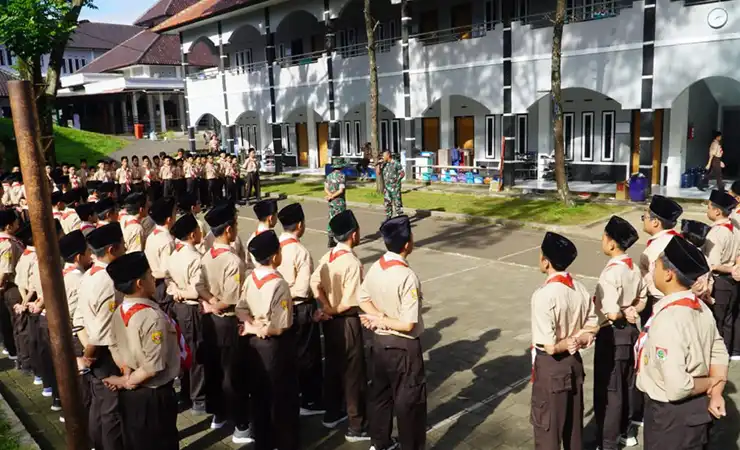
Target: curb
17,430
507,223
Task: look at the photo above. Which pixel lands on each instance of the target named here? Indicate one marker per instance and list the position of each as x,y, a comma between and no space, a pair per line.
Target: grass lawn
71,144
540,211
8,440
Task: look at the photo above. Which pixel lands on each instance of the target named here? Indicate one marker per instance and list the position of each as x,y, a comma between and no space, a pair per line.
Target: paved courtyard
477,282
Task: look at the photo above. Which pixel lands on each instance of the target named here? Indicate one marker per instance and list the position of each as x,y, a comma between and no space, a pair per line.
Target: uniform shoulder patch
415,294
157,337
112,305
661,353
284,304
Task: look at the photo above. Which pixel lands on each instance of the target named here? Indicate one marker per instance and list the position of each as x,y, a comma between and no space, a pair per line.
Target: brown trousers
614,378
398,385
345,379
557,402
683,424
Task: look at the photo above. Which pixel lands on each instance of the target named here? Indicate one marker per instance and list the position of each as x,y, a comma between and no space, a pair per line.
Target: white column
479,142
162,116
447,127
150,110
313,143
419,135
544,125
181,111
265,137
679,125
123,115
368,130
134,107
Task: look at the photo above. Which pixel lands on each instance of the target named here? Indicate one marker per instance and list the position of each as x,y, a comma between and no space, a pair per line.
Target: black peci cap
291,214
622,232
343,223
161,209
220,215
264,245
106,235
129,267
72,244
396,231
665,208
695,231
722,199
265,208
184,226
559,250
687,258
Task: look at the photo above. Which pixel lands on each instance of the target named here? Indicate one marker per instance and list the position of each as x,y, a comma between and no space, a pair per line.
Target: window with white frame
607,135
587,136
569,123
347,138
396,136
521,134
243,60
358,137
384,137
490,136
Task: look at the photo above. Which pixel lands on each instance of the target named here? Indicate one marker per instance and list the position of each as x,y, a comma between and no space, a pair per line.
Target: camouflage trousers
393,204
336,206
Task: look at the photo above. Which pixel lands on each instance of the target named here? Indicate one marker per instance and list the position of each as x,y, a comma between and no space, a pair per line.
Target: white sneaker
637,423
5,352
61,419
735,358
217,425
333,424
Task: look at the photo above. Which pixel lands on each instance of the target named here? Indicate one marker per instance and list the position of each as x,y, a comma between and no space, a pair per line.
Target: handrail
300,60
454,34
211,72
360,48
597,10
248,68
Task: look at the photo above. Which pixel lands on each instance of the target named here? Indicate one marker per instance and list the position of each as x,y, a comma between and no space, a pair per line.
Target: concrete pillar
181,111
544,126
265,135
112,117
134,107
447,127
368,131
162,116
124,114
678,127
418,133
150,110
313,144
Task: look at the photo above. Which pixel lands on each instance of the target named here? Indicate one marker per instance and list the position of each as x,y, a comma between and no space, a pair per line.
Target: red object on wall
691,132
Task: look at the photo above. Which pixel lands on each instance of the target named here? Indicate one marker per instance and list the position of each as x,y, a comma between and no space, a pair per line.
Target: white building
645,82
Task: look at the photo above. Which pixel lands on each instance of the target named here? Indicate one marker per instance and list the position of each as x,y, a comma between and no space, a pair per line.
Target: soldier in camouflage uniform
392,175
334,189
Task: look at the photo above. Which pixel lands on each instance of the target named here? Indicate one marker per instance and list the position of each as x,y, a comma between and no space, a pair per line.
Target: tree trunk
561,177
373,104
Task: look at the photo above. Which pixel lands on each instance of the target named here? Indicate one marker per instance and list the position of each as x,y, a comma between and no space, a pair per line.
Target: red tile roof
163,9
147,48
202,10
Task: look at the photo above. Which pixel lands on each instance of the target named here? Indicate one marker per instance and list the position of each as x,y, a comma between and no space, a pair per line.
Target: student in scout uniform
189,204
563,322
148,349
266,308
160,245
721,248
212,171
107,211
10,250
70,220
96,303
735,193
82,173
695,233
391,296
57,205
619,297
226,390
188,289
237,246
266,213
88,218
252,167
134,236
334,188
336,284
167,174
682,360
296,268
92,190
27,320
136,175
124,178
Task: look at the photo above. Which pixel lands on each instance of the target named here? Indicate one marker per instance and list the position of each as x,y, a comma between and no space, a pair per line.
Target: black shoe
356,436
56,405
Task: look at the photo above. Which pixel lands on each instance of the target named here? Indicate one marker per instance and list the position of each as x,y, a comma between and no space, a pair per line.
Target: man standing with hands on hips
393,175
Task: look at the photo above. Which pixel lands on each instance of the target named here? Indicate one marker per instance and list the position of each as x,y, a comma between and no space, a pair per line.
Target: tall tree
31,29
561,177
370,24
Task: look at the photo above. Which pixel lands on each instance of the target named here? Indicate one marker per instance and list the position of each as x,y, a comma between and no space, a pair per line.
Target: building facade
645,83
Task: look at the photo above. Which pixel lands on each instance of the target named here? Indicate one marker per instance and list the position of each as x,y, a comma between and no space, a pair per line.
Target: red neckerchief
179,246
67,214
727,225
562,279
95,269
132,221
669,232
57,214
86,226
68,270
688,302
386,264
186,356
626,261
216,252
334,255
156,231
261,282
288,242
27,252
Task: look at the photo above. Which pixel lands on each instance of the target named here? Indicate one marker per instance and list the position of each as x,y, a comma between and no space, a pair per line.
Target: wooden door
301,133
657,145
430,133
464,131
322,134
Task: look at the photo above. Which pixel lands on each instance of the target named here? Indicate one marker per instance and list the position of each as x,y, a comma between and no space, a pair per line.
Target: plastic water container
638,187
478,180
685,180
435,177
426,177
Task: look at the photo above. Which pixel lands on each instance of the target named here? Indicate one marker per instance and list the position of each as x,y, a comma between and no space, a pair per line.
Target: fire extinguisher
691,132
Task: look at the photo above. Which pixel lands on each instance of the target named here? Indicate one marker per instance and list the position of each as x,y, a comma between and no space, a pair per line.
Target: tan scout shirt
17,193
266,297
25,271
237,247
722,244
654,249
82,175
133,234
339,274
620,285
211,171
96,302
296,267
735,218
10,251
205,231
159,245
145,338
70,220
72,278
186,273
166,173
560,309
224,273
680,343
395,290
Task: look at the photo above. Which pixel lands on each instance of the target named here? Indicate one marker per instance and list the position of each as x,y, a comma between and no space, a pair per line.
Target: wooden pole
38,196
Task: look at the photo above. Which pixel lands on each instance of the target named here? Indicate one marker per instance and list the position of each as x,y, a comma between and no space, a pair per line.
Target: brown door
301,132
322,133
464,132
430,133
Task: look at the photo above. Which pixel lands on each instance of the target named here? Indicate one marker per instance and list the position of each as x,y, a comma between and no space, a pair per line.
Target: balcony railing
300,60
360,49
454,34
578,11
247,68
206,74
